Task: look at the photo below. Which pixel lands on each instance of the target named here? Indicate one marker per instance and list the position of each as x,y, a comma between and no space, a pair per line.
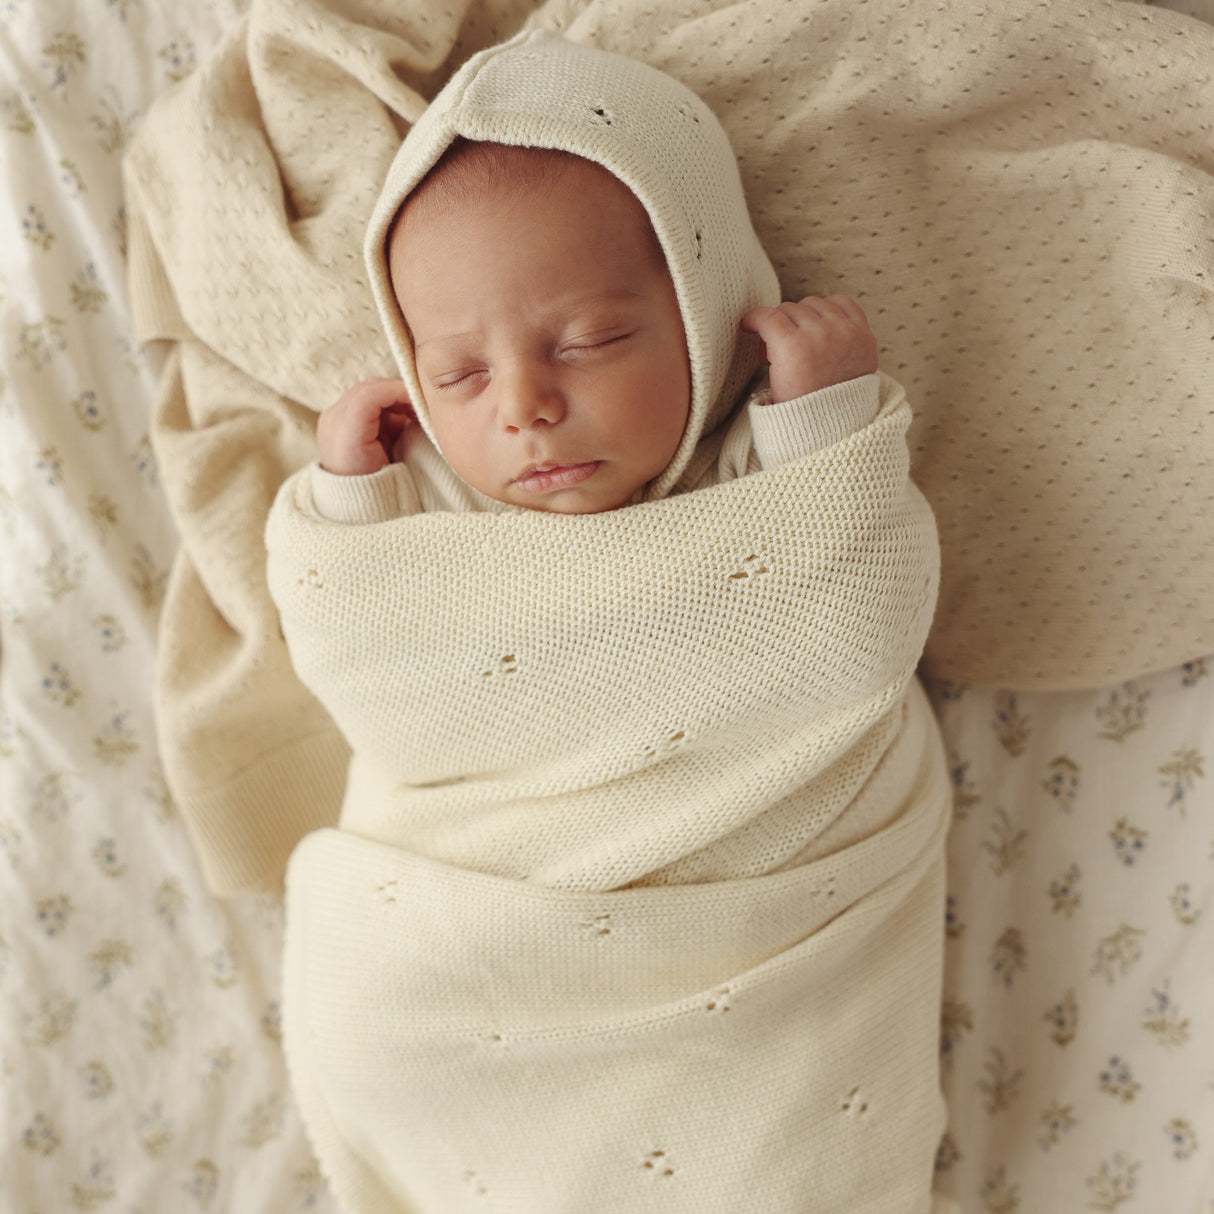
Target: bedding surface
247,199
1076,1030
140,1065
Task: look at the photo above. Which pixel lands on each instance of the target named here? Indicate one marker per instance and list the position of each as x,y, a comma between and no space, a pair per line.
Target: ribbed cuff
795,428
375,498
245,830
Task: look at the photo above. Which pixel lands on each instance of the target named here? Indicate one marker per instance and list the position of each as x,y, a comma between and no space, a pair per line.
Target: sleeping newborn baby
550,347
635,902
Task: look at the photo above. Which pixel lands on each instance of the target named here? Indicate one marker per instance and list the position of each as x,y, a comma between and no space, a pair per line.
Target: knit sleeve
386,494
764,435
794,428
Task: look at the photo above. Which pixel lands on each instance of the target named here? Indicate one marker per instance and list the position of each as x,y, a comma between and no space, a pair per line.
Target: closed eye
594,344
459,379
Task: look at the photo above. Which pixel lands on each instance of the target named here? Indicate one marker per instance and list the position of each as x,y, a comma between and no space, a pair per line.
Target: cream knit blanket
1021,196
637,898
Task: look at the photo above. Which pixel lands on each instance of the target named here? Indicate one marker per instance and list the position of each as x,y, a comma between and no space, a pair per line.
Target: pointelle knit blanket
1021,197
636,901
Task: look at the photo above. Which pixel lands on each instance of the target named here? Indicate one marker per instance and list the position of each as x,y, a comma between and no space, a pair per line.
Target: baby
549,342
636,898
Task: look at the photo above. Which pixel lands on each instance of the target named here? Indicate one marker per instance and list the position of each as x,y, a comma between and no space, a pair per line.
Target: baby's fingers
812,310
372,396
813,343
769,324
844,305
356,435
393,422
366,409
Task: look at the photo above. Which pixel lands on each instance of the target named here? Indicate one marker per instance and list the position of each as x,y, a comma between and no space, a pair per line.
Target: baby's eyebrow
417,345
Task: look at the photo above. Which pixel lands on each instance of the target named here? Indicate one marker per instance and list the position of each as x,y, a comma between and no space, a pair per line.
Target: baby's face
549,343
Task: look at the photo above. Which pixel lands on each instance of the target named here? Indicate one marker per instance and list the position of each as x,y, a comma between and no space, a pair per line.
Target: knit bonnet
655,135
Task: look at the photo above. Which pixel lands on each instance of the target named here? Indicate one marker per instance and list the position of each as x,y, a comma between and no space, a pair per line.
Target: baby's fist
357,435
813,344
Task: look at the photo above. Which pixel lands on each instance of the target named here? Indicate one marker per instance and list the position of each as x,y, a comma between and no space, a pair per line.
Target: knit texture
660,694
1020,196
629,791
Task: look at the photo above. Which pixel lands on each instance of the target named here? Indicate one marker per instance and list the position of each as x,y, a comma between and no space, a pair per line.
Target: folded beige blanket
1020,196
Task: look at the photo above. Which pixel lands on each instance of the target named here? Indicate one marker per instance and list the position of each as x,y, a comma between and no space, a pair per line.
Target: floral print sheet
140,1065
1077,1029
140,1068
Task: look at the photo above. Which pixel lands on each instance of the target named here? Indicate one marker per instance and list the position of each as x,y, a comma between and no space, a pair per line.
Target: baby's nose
528,396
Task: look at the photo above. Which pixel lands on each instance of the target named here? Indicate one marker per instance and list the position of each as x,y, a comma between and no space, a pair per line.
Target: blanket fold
551,1050
694,687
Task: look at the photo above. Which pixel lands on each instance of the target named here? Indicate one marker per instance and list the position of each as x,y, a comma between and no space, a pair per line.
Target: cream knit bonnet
661,141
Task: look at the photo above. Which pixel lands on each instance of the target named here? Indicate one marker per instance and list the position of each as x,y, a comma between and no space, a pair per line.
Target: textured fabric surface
565,855
691,690
140,1067
1028,232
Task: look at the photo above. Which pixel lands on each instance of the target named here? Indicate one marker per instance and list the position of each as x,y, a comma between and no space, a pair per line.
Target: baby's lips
539,478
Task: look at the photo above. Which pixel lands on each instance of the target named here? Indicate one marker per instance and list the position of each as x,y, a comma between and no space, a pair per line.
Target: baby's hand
358,434
813,344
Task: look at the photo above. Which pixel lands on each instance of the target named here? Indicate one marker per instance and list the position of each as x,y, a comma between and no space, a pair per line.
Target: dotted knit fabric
1020,197
693,689
629,791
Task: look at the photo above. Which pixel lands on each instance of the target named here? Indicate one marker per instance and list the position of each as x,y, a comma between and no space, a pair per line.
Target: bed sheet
139,1060
1077,1031
140,1068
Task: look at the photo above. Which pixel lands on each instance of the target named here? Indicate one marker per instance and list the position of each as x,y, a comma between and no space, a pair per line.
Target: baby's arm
358,478
824,383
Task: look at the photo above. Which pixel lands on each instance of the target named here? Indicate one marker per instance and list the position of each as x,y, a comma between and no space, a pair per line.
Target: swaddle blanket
635,900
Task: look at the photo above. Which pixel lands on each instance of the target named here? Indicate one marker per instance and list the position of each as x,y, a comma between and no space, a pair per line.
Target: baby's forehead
470,174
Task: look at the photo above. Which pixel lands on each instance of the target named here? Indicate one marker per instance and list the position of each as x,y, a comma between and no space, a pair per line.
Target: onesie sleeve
375,498
794,428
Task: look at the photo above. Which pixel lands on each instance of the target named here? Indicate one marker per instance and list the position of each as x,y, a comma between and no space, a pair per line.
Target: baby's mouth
542,478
